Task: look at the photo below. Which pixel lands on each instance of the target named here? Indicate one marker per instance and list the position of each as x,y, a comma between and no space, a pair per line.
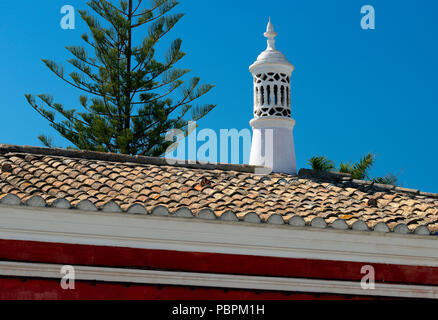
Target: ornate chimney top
271,54
272,123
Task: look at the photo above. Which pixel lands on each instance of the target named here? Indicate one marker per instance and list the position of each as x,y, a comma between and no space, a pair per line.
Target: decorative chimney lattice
272,95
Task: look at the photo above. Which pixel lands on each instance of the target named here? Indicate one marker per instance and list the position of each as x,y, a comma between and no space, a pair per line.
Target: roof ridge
328,176
346,178
124,158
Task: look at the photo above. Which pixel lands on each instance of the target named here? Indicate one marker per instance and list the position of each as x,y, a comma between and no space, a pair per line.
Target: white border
52,271
198,235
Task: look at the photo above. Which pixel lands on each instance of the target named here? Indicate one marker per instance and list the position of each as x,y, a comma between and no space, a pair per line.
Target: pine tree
130,99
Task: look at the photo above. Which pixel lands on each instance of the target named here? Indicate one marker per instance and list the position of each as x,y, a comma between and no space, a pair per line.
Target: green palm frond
388,179
346,168
358,170
361,168
321,163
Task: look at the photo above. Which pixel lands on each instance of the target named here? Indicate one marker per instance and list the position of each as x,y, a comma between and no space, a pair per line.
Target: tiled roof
118,183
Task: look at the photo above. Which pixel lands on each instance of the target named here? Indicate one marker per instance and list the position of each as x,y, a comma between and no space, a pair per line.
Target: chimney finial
270,34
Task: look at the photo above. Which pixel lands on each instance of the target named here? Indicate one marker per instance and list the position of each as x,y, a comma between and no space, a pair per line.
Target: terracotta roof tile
115,183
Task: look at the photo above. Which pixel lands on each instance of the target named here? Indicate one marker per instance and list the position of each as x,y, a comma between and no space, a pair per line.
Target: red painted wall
43,289
58,253
73,254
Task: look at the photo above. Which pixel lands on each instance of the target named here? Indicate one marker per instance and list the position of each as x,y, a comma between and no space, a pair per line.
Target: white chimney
272,141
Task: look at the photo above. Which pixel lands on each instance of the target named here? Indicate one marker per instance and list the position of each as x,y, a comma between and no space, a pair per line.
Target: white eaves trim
198,235
53,271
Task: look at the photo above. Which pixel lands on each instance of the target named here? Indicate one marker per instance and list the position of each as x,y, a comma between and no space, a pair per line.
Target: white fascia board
153,277
198,235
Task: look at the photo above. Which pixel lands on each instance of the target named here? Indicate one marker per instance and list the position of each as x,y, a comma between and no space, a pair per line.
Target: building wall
50,289
39,274
193,254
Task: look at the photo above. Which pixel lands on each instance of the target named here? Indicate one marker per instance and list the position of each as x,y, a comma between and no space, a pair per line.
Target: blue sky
354,91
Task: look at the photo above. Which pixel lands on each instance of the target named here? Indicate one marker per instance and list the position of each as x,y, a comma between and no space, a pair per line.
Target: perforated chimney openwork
272,95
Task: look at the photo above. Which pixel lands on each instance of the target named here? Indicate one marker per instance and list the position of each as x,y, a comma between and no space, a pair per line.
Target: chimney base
273,144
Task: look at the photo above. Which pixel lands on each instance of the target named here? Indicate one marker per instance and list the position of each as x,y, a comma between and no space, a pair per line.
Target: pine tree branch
80,57
59,74
114,7
157,87
136,8
171,109
161,96
146,11
46,100
175,58
147,21
86,70
36,108
108,17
